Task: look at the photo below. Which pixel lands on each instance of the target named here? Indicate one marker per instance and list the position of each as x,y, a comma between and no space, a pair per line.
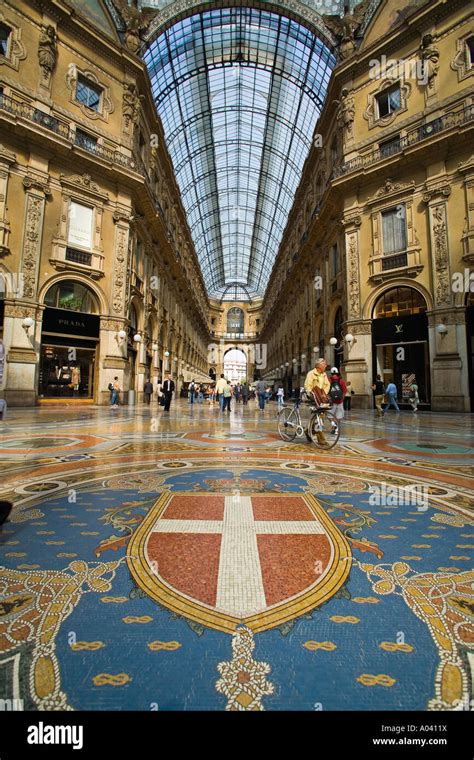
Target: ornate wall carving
122,232
36,190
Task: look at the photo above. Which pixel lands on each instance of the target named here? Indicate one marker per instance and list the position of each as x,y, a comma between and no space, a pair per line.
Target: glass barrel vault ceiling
239,91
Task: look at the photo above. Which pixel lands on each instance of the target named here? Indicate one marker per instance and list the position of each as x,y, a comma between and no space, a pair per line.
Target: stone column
448,358
113,349
22,348
357,363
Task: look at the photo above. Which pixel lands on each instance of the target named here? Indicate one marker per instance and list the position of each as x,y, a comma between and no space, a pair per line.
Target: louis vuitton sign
404,329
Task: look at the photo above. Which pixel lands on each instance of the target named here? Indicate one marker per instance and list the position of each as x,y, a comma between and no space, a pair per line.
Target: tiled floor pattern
198,562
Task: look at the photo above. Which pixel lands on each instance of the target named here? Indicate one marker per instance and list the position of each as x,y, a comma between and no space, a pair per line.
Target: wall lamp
120,337
441,330
27,324
137,338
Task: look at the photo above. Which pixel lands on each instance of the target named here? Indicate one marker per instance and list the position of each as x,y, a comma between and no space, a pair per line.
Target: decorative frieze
439,245
122,233
36,189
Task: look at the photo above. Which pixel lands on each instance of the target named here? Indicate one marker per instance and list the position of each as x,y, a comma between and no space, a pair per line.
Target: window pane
4,37
394,232
80,225
88,93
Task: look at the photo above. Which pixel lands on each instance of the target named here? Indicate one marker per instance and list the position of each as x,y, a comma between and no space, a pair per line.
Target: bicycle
323,428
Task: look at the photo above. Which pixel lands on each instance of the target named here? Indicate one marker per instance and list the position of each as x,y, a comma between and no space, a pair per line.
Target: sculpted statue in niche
430,57
345,28
345,111
136,22
131,105
47,50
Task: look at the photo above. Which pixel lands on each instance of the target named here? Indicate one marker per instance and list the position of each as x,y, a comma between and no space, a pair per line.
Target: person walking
391,391
280,397
191,389
148,391
220,386
115,394
227,396
168,390
200,392
337,393
377,388
348,397
317,385
261,393
245,393
414,397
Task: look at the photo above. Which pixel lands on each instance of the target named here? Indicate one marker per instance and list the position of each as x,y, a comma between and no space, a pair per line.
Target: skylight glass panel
239,92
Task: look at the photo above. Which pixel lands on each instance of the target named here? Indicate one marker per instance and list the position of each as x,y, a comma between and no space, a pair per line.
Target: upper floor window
470,51
5,36
235,320
80,225
388,101
335,261
88,93
394,229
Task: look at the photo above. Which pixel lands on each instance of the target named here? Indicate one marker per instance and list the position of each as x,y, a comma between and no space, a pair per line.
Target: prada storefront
400,347
70,339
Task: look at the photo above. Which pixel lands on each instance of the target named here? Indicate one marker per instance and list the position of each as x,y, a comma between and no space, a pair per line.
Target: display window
64,377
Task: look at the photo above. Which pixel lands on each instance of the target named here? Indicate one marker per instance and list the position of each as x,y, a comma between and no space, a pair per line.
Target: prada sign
400,329
64,322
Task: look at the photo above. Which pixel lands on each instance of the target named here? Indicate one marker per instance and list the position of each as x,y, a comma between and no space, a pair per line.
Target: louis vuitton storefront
400,347
70,339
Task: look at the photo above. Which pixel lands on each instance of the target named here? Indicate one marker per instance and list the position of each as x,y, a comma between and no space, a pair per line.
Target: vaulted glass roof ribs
239,91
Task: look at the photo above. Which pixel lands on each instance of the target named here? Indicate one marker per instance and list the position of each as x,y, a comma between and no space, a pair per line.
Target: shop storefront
470,345
69,343
400,347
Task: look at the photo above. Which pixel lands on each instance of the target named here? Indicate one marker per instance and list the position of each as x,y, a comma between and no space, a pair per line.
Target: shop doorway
403,366
470,344
400,347
69,341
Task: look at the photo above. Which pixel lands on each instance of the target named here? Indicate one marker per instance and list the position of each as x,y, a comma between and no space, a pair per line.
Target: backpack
110,387
335,392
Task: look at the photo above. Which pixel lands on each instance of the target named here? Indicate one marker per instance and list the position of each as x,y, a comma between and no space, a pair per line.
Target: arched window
399,302
133,317
73,296
235,320
338,324
321,342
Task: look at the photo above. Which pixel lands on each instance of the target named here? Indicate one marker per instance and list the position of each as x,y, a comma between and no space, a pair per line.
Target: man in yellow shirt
317,378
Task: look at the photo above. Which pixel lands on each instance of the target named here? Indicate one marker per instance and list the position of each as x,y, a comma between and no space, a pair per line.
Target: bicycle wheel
287,424
324,429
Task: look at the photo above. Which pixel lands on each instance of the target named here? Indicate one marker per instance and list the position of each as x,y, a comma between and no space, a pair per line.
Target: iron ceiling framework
239,91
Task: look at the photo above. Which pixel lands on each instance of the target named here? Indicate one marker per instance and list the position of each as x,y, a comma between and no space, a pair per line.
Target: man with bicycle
317,385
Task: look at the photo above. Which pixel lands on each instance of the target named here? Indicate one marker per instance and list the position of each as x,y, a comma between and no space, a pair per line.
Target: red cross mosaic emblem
227,559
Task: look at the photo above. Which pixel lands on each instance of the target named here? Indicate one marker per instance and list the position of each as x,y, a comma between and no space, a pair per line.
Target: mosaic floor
197,562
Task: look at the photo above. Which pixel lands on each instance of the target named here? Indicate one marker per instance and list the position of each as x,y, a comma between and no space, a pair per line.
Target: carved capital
439,191
36,183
